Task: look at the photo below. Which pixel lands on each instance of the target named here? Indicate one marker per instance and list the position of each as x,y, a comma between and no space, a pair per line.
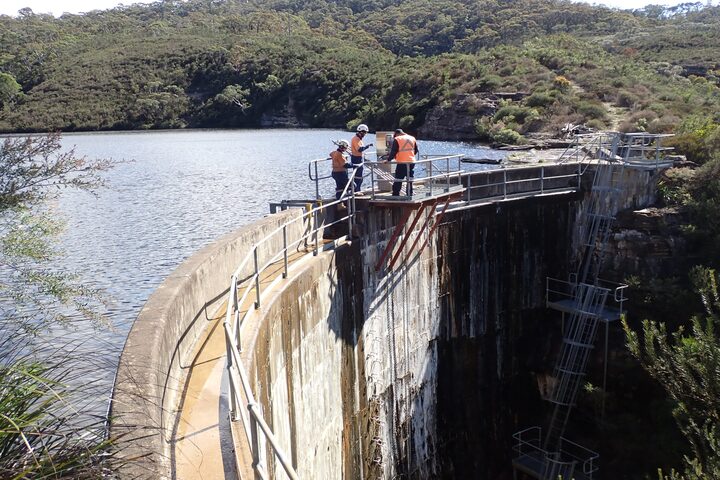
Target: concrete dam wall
424,371
412,372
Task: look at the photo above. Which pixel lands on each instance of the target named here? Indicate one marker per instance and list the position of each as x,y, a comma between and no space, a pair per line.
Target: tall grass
52,425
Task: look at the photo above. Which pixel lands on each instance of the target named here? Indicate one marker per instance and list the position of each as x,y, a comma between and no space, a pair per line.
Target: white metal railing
638,149
253,422
645,150
549,465
565,292
317,166
519,182
431,174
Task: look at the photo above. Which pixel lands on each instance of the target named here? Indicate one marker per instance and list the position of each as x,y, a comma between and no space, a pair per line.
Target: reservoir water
173,193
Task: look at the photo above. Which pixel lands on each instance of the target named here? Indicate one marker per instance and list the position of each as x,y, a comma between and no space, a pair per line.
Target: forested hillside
490,70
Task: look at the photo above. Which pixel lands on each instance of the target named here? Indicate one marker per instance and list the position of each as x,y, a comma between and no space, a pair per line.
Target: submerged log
490,161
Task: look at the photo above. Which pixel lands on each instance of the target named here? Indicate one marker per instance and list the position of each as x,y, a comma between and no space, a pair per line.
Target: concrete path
203,443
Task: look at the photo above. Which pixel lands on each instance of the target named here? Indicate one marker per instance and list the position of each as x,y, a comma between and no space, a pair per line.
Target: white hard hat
363,128
342,143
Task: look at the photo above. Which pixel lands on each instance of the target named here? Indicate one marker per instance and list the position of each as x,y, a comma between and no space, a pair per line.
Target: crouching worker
339,166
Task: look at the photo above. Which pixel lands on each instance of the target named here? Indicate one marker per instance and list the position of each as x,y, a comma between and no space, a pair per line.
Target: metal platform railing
644,150
505,183
321,169
590,146
256,429
562,295
432,175
569,461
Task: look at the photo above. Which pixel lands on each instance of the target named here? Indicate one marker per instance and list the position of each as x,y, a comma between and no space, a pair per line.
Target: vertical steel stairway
550,456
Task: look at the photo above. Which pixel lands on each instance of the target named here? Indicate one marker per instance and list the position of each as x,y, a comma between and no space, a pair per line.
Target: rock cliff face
284,115
647,243
456,121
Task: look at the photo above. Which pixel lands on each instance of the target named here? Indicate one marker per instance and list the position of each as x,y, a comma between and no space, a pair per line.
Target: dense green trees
227,63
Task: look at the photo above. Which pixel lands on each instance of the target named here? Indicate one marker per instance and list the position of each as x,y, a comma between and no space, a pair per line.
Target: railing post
542,179
315,231
254,441
372,182
350,210
447,173
469,186
317,182
285,253
257,278
430,175
408,184
579,176
504,184
238,341
228,350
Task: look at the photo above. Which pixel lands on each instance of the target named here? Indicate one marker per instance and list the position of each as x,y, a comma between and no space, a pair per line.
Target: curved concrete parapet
155,359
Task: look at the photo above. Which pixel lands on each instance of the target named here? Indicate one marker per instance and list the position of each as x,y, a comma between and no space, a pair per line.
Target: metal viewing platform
433,177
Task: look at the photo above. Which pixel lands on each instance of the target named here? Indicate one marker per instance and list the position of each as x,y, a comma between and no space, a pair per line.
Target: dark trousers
341,179
401,171
358,171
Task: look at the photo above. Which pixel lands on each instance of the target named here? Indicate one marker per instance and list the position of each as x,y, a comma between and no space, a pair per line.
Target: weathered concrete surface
427,370
158,350
424,371
367,374
494,332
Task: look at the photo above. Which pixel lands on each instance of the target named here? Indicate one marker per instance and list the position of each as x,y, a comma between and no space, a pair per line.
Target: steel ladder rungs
570,372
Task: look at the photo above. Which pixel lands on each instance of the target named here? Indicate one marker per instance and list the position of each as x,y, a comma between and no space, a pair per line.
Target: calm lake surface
176,192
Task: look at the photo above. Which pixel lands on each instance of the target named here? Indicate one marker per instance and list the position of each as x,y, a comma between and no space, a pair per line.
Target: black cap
399,131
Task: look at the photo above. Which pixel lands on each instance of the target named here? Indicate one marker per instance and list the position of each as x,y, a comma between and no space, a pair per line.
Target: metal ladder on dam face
584,297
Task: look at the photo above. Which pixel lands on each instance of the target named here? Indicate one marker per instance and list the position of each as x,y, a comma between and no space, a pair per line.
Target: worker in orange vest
339,166
356,153
404,150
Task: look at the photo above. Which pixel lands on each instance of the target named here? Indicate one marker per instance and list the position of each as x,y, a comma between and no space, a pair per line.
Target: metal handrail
255,416
585,456
313,167
429,161
545,183
529,442
233,322
566,289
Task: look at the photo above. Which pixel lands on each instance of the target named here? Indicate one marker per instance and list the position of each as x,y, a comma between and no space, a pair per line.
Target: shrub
561,83
673,186
483,127
518,113
506,135
539,99
595,124
698,140
627,99
592,110
491,82
664,124
407,121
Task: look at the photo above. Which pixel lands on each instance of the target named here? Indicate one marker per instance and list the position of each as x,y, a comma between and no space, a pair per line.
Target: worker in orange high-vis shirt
404,150
356,153
339,166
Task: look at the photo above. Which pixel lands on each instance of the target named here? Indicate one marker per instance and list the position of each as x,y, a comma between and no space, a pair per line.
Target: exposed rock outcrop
456,120
648,243
282,116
